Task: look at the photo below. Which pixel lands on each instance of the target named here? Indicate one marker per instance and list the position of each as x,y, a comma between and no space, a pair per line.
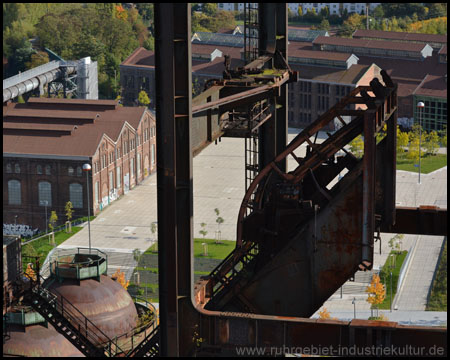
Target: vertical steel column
282,100
368,185
273,39
391,164
174,156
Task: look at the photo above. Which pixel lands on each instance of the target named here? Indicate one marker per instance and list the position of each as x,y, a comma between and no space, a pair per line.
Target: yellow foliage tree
30,273
120,277
324,314
376,291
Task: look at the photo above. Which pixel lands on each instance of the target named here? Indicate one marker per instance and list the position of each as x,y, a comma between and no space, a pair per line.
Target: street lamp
354,308
420,106
390,303
87,168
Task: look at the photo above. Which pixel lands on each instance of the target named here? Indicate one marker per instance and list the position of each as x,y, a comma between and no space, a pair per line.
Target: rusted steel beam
231,333
174,176
423,220
368,199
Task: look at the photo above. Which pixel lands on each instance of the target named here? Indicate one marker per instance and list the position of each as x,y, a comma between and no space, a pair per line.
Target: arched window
17,168
39,169
79,172
48,170
8,168
76,195
70,171
14,193
45,193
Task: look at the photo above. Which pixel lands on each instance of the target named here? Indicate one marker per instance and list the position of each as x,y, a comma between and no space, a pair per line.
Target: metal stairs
71,323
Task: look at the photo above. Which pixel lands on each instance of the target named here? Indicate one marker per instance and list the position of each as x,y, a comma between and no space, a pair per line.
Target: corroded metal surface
38,341
106,303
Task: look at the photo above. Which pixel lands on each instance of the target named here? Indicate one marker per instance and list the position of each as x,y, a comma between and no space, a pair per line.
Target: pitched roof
372,44
399,36
39,127
349,76
433,86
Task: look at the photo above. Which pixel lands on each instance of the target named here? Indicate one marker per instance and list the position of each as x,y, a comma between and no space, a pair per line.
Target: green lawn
385,277
42,246
215,251
438,298
429,163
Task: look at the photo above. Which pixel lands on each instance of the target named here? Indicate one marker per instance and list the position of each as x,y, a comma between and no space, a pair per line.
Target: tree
209,9
402,141
300,11
357,146
203,231
119,276
30,273
37,59
324,25
395,243
219,221
52,221
413,150
376,291
69,210
143,98
324,314
349,26
431,144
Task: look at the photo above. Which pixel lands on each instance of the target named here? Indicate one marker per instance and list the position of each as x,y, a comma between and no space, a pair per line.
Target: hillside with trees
107,32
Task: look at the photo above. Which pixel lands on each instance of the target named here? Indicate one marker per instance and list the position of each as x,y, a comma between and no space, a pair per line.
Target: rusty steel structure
300,234
298,238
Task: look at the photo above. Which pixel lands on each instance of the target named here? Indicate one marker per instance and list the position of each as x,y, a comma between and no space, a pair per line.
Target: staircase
149,347
71,323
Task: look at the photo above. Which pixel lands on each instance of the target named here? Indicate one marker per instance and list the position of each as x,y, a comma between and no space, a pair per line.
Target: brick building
47,141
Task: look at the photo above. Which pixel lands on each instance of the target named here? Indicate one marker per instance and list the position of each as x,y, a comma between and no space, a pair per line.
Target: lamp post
420,106
87,168
354,308
390,302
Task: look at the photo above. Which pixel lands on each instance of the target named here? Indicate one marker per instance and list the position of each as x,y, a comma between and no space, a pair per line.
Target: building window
48,170
111,180
70,171
45,193
39,169
132,166
76,195
14,193
153,154
118,177
8,168
79,171
17,168
96,192
138,165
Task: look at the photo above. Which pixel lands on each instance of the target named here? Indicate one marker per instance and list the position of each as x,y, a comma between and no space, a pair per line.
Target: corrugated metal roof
400,36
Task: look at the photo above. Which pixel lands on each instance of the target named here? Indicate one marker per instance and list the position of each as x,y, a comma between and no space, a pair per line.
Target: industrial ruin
300,234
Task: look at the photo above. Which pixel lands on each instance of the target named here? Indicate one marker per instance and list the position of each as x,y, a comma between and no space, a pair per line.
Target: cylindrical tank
36,341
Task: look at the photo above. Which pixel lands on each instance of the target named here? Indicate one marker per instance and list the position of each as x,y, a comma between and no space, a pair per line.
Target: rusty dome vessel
78,279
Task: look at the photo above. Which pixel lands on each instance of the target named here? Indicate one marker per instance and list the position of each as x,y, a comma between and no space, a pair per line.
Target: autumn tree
431,144
357,146
376,291
119,276
30,273
219,220
402,141
69,212
143,98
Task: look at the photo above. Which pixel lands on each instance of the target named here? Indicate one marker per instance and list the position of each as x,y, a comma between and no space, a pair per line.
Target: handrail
73,319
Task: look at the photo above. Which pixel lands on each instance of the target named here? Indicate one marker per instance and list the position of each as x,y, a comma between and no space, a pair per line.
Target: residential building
46,142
